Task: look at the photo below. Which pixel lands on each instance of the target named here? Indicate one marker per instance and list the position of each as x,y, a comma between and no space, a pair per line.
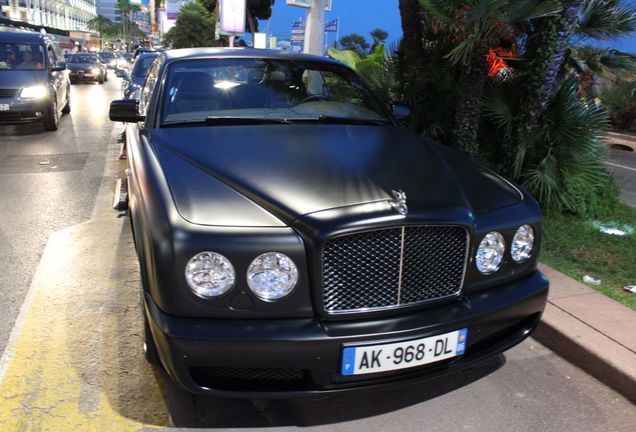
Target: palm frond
462,53
498,108
527,10
603,19
440,10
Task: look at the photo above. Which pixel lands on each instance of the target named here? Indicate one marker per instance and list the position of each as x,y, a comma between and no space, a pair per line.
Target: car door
57,78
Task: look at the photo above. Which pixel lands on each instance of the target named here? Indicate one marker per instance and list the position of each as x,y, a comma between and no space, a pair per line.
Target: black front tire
101,79
150,349
51,116
67,107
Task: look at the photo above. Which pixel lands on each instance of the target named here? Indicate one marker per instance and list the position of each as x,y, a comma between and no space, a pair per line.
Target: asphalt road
623,164
77,363
48,181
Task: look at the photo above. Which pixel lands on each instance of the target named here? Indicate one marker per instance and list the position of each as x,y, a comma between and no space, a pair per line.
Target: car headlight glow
272,276
34,92
490,253
95,70
210,274
522,243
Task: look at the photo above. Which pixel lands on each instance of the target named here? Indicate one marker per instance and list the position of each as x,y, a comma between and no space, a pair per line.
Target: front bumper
86,76
294,357
23,111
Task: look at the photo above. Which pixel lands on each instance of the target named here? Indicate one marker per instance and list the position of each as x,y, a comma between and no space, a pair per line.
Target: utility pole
315,28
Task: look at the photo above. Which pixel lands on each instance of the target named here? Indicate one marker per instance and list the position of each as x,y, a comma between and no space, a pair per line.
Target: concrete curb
591,331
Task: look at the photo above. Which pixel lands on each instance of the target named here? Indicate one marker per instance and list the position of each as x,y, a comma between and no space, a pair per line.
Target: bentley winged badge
399,203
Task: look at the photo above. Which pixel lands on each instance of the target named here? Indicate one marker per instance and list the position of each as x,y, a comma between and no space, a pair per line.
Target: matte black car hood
295,170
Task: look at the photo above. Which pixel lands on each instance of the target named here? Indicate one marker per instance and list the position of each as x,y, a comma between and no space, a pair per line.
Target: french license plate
4,107
401,355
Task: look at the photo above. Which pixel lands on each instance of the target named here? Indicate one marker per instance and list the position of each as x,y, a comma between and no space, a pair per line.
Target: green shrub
620,100
562,165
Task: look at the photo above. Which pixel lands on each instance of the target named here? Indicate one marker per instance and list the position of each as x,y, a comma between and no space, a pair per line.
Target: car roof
197,53
21,36
144,55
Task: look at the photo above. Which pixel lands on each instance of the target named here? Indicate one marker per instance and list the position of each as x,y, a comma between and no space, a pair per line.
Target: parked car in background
294,239
110,59
124,65
133,81
87,67
34,84
142,50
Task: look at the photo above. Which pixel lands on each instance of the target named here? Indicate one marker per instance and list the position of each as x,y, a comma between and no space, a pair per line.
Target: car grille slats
434,259
393,267
7,93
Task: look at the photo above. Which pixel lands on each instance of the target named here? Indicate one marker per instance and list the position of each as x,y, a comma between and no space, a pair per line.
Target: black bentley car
87,67
294,239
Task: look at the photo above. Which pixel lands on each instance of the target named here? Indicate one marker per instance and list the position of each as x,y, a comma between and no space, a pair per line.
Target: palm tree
101,25
354,42
124,7
479,26
411,46
379,36
598,19
592,64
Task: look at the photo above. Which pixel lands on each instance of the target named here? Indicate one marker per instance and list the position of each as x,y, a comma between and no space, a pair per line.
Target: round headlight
522,243
272,276
210,274
490,253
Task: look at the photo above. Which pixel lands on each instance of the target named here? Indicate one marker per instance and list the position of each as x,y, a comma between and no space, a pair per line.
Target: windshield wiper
340,120
223,120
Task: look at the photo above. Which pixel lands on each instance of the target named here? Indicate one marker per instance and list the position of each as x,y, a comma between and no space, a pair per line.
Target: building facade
108,8
72,15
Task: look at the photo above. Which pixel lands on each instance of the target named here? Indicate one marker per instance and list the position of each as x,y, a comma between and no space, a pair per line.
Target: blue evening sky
362,16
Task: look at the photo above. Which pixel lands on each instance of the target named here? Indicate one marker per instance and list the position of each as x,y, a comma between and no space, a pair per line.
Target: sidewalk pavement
591,331
614,138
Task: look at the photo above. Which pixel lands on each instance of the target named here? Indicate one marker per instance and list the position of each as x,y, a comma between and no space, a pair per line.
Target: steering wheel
315,97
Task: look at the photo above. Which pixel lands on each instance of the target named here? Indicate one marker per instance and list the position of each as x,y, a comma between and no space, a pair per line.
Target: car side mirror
125,110
58,66
401,112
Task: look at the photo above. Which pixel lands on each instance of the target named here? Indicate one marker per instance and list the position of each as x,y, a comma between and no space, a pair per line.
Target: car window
141,66
84,58
196,89
151,78
52,56
21,56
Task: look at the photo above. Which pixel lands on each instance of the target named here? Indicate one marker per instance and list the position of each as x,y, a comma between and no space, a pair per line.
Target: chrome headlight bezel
522,246
272,276
490,253
217,272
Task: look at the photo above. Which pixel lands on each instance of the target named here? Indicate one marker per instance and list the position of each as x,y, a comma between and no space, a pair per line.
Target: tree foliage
354,42
194,27
378,36
522,83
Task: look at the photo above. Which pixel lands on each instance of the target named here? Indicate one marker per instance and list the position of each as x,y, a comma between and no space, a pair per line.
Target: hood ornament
399,203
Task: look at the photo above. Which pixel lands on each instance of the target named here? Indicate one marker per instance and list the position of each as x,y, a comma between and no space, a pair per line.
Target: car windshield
21,56
141,66
212,90
107,55
84,58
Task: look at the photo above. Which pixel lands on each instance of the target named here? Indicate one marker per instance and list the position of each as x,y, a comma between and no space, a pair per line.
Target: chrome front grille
393,267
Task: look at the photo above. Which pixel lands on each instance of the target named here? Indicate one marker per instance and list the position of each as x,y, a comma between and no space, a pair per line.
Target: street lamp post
315,28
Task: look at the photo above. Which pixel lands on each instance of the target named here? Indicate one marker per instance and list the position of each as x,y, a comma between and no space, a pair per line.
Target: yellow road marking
76,363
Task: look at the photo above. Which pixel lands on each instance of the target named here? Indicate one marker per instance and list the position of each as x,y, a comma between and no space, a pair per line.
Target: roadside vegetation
523,86
576,247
